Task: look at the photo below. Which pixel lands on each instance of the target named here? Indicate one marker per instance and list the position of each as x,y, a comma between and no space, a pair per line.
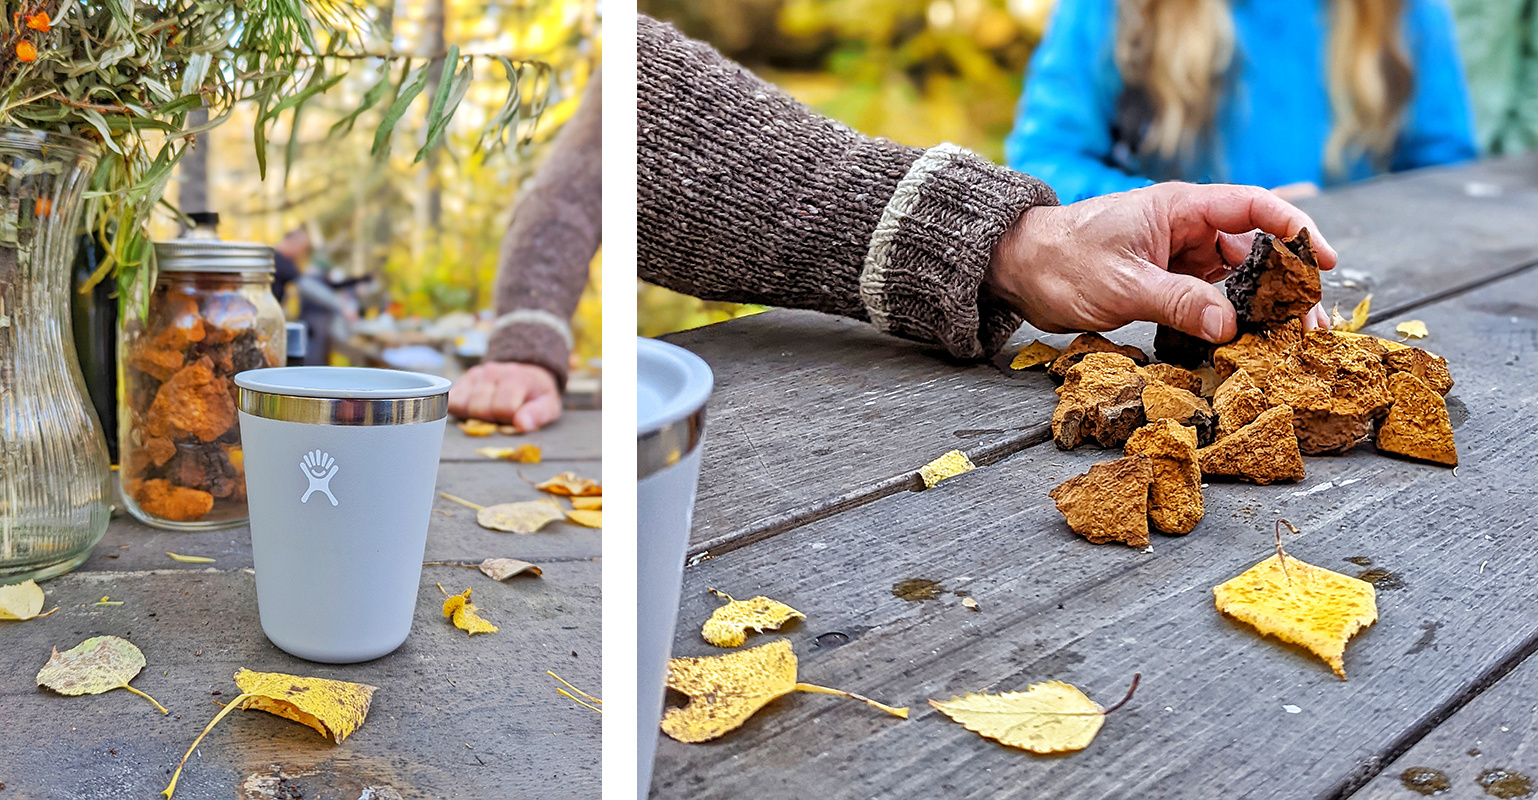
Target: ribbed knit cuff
532,336
924,270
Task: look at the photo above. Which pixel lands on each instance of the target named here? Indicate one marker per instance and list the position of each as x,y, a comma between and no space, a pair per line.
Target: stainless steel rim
344,411
666,446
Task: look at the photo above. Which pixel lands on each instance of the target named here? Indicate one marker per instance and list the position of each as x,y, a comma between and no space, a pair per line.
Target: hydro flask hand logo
319,468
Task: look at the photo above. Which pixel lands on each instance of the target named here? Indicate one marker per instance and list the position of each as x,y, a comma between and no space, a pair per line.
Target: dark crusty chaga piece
1086,343
1110,502
1279,281
1429,367
1417,425
1173,376
1180,348
1164,402
1336,390
1175,496
1264,451
1100,399
1257,352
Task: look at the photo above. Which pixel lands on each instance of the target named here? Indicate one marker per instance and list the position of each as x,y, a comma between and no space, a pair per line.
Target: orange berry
38,21
25,51
42,207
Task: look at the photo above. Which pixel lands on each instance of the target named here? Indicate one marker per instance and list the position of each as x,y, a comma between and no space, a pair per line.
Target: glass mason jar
55,479
211,315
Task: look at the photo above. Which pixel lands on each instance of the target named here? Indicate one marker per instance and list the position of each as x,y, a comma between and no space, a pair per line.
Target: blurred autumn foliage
920,72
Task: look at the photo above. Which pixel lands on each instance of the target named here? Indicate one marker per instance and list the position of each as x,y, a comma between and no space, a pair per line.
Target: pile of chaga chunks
1281,393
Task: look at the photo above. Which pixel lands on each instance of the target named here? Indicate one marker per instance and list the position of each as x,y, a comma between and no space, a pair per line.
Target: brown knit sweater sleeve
746,195
545,254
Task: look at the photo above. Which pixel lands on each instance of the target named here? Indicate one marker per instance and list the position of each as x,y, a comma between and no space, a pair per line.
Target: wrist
1013,259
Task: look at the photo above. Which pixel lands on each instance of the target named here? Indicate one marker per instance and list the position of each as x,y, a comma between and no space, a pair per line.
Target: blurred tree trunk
430,204
193,194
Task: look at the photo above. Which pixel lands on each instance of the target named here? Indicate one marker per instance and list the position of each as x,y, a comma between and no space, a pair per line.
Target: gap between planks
1029,436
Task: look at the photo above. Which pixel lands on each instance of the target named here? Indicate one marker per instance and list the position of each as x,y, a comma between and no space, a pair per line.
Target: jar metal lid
212,255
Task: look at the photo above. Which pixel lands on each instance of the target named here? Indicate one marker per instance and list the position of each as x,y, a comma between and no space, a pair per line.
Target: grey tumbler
340,466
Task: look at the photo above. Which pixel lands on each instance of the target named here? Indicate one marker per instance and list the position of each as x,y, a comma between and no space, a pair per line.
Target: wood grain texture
1494,731
813,415
1210,719
576,436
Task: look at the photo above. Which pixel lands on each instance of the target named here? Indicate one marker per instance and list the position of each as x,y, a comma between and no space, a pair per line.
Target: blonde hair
1179,51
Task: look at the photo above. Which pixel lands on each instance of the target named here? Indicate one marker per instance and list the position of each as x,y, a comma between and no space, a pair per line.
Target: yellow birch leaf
569,484
98,664
1050,717
589,519
500,569
587,503
725,690
728,625
947,466
1359,314
1300,603
1035,354
523,453
465,615
1412,329
190,559
334,708
526,517
478,427
21,601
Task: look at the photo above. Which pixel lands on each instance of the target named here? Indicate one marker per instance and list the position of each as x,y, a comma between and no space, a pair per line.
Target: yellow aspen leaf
1412,329
523,453
588,519
478,427
190,559
1312,607
728,625
587,503
98,664
465,615
21,601
1049,717
569,484
1035,354
525,517
725,690
500,569
947,466
333,708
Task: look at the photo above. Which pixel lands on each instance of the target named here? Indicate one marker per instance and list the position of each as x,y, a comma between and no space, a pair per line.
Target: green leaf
308,92
370,99
439,124
409,90
493,136
100,124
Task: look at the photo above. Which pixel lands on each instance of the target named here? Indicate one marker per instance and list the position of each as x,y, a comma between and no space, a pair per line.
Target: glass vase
55,480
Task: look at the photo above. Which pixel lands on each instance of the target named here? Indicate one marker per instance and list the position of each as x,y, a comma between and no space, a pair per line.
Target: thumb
1190,305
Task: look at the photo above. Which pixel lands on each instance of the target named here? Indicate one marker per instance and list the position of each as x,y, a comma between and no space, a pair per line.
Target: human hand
525,396
1296,191
1148,254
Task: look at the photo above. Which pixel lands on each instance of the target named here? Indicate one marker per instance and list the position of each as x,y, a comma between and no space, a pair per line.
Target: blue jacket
1273,123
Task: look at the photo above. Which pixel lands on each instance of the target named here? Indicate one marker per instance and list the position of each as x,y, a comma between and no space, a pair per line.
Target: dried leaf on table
1050,717
587,519
21,601
98,664
508,430
465,615
728,625
523,454
1035,354
500,569
947,466
333,708
569,484
1312,607
1358,317
587,503
1412,329
725,690
525,517
478,427
190,559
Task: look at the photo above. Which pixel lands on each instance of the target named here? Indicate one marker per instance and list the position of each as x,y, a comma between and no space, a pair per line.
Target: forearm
746,195
545,254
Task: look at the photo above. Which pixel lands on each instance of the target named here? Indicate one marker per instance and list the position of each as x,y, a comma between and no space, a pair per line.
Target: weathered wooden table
454,717
818,426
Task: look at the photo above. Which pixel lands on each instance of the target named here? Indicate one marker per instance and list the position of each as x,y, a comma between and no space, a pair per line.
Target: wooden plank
453,717
1210,720
1491,740
574,437
815,414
